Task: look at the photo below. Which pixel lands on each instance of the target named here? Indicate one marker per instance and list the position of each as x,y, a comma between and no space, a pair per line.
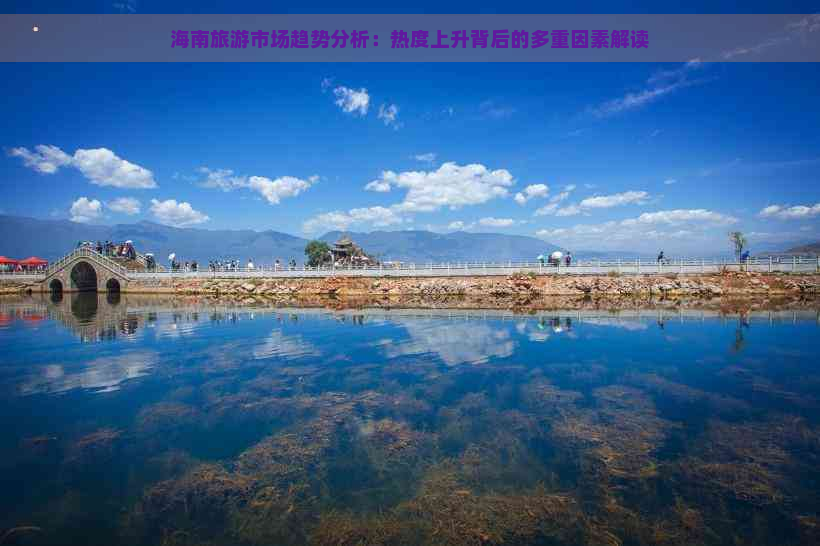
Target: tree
317,253
738,242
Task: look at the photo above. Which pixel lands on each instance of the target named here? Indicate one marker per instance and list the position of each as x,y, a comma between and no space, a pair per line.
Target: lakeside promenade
85,270
685,266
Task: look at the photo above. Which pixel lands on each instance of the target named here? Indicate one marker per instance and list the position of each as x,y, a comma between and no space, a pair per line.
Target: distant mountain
50,239
426,246
804,249
812,249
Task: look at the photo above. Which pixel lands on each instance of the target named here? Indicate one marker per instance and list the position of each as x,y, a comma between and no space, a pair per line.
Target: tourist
660,257
250,265
276,265
568,259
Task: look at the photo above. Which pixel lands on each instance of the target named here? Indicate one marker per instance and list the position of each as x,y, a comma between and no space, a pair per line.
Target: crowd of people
236,265
186,266
111,249
556,258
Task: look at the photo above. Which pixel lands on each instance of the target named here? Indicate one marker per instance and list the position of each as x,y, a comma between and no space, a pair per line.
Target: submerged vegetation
247,442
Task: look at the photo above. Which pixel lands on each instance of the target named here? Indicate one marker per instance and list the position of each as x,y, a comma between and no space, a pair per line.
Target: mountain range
21,237
810,249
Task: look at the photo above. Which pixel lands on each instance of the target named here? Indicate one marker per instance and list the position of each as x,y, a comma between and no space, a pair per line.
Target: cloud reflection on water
279,344
454,343
104,374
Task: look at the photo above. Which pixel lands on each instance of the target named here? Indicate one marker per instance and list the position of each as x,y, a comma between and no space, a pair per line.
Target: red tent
33,261
7,261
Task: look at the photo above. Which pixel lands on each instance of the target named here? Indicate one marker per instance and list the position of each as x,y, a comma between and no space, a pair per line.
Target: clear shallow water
165,422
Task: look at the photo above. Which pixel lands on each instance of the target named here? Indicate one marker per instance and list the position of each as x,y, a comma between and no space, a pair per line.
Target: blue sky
589,156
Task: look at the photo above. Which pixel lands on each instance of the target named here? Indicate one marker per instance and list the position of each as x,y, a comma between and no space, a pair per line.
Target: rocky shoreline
518,286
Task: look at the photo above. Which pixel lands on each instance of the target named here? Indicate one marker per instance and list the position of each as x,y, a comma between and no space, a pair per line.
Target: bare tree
738,242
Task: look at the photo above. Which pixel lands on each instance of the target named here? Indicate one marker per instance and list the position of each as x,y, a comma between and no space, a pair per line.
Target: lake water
150,421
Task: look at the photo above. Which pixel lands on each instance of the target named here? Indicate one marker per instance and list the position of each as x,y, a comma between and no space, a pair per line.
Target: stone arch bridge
85,270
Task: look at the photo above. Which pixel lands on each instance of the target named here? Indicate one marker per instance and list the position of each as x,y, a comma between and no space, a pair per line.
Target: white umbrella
129,241
171,256
149,254
556,255
540,257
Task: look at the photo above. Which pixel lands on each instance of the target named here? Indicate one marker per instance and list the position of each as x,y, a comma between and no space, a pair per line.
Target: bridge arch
84,270
83,277
112,286
55,286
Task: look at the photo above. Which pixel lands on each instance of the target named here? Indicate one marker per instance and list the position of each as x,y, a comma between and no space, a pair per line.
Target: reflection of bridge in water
91,316
100,317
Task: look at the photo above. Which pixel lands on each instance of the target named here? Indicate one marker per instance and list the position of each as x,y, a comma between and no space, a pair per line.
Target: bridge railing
85,252
791,264
794,264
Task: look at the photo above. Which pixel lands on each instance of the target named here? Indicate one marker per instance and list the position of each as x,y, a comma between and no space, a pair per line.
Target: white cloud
176,214
223,179
532,191
378,186
496,222
614,200
85,210
795,29
338,220
125,205
785,212
46,159
429,157
806,24
630,101
451,185
596,202
660,84
276,190
552,207
547,210
101,166
273,190
753,49
570,210
674,74
688,228
670,181
389,114
352,101
457,225
682,216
